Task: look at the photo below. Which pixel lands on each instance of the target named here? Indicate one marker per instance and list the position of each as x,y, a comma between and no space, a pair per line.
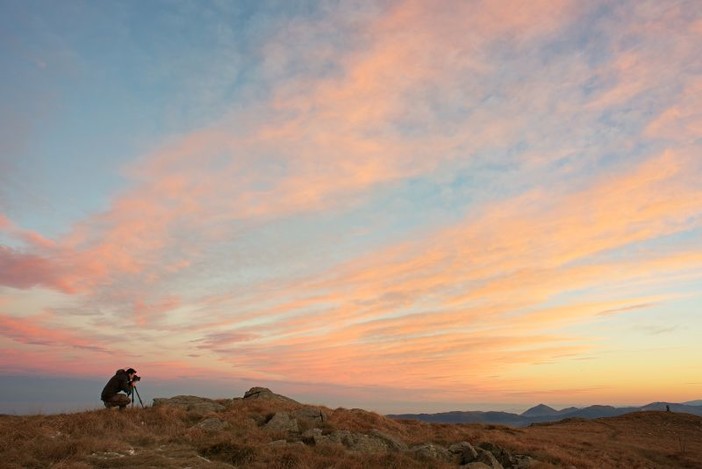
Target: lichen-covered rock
372,443
311,414
265,393
358,442
432,451
195,404
463,452
487,458
313,437
281,421
523,462
393,444
501,454
213,424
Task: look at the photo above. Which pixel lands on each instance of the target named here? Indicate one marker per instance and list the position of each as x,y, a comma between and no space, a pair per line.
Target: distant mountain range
543,413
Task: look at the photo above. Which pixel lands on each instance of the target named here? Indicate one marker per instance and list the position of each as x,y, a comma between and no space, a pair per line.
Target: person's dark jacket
119,382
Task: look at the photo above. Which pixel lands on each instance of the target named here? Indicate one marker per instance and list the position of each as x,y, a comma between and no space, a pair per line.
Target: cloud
480,288
559,145
33,331
22,270
297,156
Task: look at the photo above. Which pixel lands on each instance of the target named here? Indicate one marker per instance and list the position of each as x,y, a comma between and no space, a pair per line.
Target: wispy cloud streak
409,198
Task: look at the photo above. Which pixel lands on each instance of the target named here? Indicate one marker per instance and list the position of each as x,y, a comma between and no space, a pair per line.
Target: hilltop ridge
263,429
542,413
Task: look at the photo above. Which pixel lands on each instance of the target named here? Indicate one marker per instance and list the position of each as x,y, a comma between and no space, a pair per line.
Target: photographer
122,381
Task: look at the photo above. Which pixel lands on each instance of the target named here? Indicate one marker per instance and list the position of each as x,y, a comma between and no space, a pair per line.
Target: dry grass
169,437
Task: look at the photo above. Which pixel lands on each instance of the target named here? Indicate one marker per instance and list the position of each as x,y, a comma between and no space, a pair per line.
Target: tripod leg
137,393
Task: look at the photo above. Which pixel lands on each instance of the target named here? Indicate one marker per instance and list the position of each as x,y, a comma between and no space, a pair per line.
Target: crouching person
112,392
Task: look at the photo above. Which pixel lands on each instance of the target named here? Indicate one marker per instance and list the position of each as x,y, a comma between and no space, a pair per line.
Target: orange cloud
479,288
682,122
32,332
268,168
447,307
20,270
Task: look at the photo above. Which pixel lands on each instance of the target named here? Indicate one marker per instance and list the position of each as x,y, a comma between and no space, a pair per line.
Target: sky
404,206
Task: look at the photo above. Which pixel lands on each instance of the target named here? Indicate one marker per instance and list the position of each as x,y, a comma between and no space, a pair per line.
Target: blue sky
395,198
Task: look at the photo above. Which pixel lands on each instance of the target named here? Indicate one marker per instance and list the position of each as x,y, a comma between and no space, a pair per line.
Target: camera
136,378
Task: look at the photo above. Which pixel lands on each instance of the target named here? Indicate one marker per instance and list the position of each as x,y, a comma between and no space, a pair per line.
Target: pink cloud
318,160
423,307
479,288
681,122
144,311
24,271
32,331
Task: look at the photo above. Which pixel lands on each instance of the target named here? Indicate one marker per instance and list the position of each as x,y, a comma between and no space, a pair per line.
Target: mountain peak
539,411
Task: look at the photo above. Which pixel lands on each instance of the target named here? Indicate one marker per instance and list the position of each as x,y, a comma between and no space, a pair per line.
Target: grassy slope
169,437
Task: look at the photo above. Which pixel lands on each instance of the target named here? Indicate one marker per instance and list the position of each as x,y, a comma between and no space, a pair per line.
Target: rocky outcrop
265,393
302,424
194,404
463,452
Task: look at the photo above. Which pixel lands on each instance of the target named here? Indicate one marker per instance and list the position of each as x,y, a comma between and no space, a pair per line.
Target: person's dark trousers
118,400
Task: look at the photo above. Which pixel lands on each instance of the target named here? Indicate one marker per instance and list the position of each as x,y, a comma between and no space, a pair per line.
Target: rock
502,455
265,393
278,443
486,457
313,437
313,415
196,404
463,452
358,442
432,451
475,465
213,424
391,442
523,462
281,421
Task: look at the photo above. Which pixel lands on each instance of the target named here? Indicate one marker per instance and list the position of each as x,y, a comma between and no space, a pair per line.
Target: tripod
136,391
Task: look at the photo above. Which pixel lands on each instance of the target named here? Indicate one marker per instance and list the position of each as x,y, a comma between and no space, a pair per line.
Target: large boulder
506,458
281,421
200,405
310,414
463,452
265,393
487,458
